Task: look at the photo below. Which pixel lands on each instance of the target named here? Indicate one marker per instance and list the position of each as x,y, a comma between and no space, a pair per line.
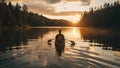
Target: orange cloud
13,0
49,10
45,7
52,1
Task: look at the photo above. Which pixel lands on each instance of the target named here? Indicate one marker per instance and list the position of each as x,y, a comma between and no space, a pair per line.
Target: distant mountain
40,20
18,17
61,22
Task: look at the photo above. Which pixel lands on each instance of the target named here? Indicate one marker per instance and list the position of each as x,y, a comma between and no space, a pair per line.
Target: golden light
73,33
76,33
67,6
75,19
17,1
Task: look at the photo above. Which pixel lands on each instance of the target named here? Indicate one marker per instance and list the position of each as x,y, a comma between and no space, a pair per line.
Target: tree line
13,16
106,16
17,16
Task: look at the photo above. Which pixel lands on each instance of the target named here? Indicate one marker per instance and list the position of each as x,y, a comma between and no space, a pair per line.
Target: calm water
94,48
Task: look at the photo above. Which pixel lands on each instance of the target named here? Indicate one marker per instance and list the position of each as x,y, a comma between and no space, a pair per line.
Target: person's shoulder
62,34
57,35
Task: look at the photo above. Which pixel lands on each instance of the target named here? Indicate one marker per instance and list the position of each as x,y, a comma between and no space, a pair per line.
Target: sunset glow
61,9
75,18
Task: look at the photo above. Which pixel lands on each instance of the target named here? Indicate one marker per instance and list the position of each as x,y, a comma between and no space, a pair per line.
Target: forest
12,16
18,17
105,16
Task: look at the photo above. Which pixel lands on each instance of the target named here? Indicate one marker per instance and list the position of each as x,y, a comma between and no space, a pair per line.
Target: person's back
59,37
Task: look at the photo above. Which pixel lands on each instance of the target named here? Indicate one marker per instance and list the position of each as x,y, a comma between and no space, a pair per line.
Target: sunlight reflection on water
91,50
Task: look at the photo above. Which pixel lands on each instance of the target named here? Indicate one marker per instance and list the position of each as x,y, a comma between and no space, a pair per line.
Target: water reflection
12,38
29,48
76,33
107,39
59,46
72,33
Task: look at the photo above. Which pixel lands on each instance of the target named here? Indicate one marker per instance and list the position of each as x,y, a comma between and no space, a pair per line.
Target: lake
94,48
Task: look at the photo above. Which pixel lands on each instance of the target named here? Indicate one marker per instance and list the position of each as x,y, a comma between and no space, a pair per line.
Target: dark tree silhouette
106,16
18,17
11,7
3,1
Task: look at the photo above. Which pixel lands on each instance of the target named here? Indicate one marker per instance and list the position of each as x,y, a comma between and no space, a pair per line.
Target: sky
61,9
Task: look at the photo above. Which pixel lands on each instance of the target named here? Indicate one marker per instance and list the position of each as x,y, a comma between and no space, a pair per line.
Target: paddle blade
72,43
49,40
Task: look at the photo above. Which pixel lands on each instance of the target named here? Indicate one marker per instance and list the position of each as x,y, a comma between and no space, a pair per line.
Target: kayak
60,46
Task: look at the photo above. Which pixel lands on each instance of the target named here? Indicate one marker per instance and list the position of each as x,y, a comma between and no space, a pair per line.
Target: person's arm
56,36
63,37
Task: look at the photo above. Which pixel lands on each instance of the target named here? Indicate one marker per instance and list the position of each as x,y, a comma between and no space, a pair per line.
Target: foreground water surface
94,48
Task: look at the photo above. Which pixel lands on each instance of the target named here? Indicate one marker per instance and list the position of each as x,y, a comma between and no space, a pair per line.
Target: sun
75,19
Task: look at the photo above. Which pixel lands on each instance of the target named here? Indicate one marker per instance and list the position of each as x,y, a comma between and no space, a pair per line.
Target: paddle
72,42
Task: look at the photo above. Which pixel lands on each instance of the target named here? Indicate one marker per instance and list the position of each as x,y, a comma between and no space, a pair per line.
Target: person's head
60,31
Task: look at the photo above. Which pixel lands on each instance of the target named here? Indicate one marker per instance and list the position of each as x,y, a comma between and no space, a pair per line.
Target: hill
18,17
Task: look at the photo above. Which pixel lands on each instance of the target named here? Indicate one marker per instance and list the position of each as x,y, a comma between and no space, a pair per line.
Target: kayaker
59,37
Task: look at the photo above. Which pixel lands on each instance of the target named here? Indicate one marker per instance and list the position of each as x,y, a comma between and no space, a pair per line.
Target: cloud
44,7
13,0
66,13
47,10
71,0
41,8
52,1
84,2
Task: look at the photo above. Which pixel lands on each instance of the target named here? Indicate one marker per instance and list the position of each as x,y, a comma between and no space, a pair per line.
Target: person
59,37
59,43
